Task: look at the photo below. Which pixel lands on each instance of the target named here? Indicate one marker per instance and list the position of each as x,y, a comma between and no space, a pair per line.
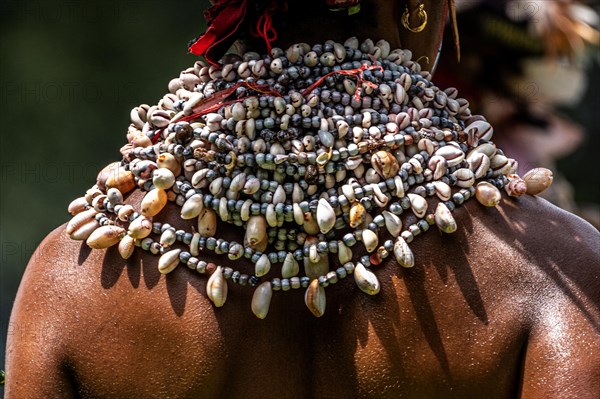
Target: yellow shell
154,202
105,236
385,164
357,215
168,160
207,223
121,179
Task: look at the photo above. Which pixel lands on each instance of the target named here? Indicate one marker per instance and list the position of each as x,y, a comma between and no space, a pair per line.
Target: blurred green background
71,71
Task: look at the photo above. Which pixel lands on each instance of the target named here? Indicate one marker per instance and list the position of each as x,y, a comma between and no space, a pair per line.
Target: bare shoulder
559,254
37,364
546,237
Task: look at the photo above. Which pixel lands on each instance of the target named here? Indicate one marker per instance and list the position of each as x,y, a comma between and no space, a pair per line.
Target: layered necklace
317,152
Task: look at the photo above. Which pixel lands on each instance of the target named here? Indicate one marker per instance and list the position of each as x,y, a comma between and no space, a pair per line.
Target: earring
422,16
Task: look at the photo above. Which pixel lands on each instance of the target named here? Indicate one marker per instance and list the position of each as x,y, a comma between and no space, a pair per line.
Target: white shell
141,227
262,266
261,300
344,253
399,186
393,223
453,155
315,269
168,261
314,298
251,186
237,183
163,178
290,266
245,210
271,216
192,207
403,253
279,195
199,179
479,163
379,197
167,238
223,211
124,213
437,164
465,178
298,214
442,190
366,280
348,192
297,194
313,254
418,204
488,149
444,219
216,187
370,240
325,216
216,287
483,130
194,250
126,247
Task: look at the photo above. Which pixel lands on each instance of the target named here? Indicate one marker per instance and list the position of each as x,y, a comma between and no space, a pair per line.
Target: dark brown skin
506,307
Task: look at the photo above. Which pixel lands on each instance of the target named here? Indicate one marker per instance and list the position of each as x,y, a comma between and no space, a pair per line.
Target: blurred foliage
581,168
70,72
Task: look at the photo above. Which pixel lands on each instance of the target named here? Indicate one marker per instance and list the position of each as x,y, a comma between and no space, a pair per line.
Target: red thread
216,101
264,25
357,72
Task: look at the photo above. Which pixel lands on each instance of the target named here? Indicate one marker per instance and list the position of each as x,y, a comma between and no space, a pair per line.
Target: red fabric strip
224,20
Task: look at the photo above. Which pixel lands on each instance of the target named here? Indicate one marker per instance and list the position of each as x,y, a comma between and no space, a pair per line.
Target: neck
313,22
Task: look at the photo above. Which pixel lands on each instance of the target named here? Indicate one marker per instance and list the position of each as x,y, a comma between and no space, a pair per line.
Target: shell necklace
313,151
